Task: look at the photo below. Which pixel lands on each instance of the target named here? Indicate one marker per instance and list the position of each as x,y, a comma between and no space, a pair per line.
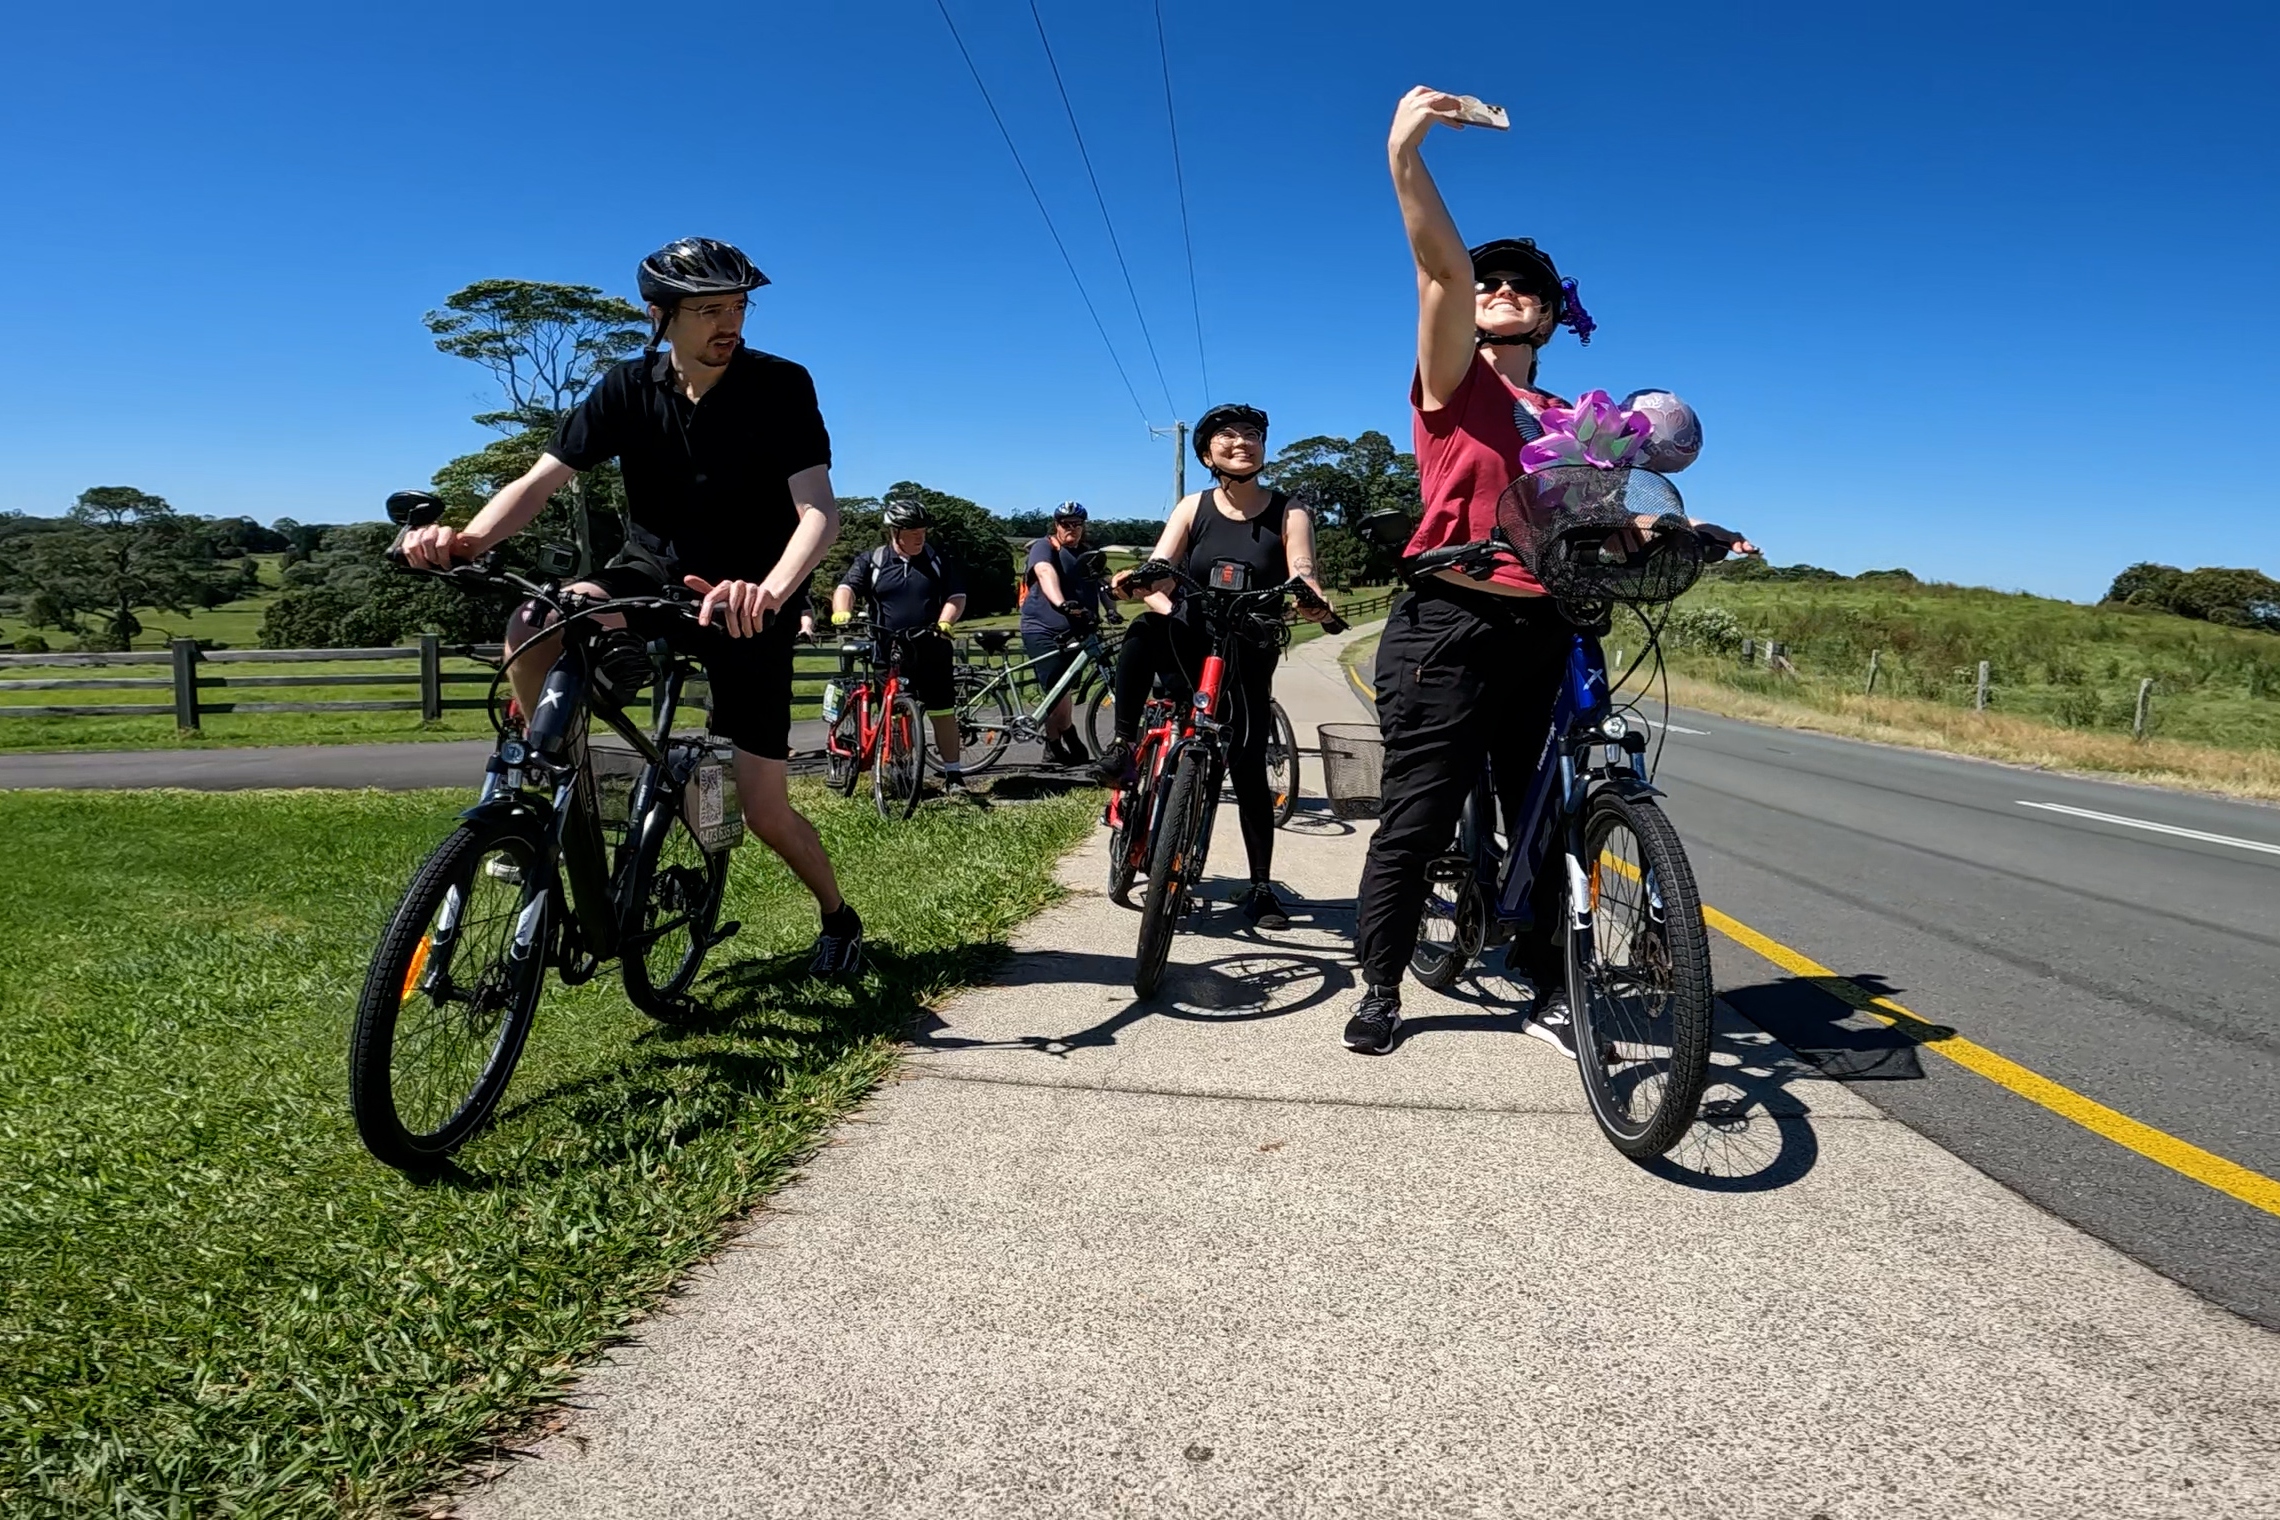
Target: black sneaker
1115,766
1263,908
838,955
1372,1028
1550,1020
953,783
1071,750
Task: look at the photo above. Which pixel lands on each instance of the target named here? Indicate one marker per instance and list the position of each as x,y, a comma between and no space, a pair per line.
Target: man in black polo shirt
913,587
728,487
1061,596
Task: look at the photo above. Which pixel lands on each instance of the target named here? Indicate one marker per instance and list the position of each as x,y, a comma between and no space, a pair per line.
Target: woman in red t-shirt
1466,669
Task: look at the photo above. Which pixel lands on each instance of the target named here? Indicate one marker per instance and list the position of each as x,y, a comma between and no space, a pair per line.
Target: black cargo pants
1462,676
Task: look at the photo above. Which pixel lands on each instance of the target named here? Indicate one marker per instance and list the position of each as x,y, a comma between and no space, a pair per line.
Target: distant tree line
119,549
2234,598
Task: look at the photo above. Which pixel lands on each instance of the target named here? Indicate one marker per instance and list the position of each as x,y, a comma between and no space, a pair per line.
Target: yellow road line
2182,1157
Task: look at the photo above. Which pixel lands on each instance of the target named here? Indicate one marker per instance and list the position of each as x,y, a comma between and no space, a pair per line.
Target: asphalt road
2138,967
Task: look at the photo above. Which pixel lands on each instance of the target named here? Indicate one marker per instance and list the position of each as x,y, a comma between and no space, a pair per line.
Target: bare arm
1298,553
1445,305
1171,545
953,608
1049,583
502,517
743,606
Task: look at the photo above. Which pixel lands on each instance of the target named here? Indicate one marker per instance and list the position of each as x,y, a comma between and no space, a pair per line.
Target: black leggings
1462,677
1155,646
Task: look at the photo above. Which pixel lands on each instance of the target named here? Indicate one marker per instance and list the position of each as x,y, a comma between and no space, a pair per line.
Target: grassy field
2063,677
211,1302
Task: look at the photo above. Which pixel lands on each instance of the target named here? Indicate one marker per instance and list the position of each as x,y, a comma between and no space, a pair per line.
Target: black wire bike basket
1598,537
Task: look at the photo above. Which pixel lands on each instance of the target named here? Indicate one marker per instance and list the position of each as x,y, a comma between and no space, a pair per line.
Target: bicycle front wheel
1100,717
901,771
672,905
1639,984
985,721
1282,764
448,1001
1171,865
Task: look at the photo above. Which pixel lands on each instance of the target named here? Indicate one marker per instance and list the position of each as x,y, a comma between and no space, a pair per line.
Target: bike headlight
1614,727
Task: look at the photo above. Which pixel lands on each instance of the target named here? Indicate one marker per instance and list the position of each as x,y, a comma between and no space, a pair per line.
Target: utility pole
1178,432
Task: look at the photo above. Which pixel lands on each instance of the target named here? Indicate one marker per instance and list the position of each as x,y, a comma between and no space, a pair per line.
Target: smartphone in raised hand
1475,112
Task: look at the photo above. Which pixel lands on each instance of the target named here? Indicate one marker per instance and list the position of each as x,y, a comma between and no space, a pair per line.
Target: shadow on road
1819,1018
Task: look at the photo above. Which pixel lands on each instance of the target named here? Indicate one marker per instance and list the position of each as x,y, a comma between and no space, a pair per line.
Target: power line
1082,294
1179,178
1145,336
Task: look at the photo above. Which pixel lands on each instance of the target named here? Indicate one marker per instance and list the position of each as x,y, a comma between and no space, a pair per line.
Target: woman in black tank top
1236,519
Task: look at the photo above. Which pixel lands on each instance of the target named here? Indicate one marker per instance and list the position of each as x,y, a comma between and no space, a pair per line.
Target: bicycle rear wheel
1282,764
1171,865
843,749
985,721
1641,998
672,904
448,1000
1454,922
901,768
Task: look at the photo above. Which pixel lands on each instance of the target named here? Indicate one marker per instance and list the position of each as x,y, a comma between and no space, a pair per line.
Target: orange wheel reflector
418,966
1595,886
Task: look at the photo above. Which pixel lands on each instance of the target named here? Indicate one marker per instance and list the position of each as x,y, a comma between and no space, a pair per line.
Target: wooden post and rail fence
199,682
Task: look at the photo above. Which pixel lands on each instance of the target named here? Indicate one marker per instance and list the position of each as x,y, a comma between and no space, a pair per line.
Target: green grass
2058,663
211,1301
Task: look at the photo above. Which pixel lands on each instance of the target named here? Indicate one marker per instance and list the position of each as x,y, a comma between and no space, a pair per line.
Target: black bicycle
577,853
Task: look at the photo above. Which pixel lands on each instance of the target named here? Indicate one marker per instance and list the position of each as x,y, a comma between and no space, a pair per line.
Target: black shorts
1052,654
926,671
750,678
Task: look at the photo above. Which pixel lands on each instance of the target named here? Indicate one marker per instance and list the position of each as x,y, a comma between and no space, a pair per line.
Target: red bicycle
1160,820
879,727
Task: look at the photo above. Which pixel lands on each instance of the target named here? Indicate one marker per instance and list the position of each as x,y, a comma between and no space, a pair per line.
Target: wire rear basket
1353,767
1593,537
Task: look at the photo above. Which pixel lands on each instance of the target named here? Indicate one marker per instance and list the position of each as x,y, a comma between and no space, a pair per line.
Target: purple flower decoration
1595,431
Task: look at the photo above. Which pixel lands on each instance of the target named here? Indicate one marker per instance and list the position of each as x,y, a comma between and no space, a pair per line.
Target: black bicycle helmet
1069,512
903,513
1226,416
694,267
1540,277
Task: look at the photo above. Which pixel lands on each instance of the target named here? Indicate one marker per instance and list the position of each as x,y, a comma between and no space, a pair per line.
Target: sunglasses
1491,284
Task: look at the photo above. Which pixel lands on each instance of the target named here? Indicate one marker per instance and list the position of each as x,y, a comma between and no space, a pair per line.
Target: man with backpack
912,587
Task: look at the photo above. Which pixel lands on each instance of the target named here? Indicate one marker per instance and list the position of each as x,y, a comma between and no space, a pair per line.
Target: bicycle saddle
993,640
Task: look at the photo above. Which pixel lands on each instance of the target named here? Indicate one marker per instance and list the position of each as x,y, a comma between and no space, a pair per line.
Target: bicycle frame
885,688
1091,654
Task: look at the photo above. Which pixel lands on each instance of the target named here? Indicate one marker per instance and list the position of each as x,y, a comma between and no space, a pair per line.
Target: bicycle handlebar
1478,559
1295,588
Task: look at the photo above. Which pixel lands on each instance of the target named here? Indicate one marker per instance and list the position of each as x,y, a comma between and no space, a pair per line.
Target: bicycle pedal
726,931
1448,868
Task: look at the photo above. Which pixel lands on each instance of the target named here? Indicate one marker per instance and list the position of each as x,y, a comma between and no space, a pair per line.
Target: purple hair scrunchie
1574,317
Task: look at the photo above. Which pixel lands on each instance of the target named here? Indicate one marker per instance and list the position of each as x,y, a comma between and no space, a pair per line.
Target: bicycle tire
1453,896
1170,865
901,768
1663,949
1100,717
985,722
501,997
1128,838
671,874
843,749
1282,764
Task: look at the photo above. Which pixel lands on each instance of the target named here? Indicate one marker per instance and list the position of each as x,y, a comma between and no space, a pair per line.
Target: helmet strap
1226,477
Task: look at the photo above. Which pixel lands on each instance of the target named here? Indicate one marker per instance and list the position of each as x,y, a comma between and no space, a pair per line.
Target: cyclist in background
1237,519
913,588
1059,597
728,491
1466,670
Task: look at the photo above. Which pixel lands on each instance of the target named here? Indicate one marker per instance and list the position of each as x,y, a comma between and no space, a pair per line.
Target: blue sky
1985,291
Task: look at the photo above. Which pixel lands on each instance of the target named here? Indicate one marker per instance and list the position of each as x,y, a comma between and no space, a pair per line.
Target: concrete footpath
1190,1257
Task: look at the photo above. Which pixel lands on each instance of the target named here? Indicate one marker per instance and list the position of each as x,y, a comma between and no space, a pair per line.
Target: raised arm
1444,270
502,517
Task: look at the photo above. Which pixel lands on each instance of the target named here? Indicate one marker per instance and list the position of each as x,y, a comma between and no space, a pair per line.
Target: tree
2145,585
546,345
1344,481
2235,598
123,548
